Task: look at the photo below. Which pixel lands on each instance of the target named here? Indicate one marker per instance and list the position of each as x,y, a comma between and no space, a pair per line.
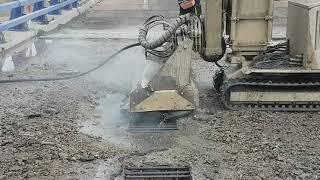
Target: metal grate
157,173
152,127
154,122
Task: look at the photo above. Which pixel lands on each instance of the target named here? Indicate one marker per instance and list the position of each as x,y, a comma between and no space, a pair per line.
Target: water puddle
102,170
109,124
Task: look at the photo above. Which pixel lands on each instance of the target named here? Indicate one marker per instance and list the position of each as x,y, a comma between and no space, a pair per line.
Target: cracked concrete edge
21,40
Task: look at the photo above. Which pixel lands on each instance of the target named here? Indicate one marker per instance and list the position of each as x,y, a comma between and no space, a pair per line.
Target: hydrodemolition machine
256,72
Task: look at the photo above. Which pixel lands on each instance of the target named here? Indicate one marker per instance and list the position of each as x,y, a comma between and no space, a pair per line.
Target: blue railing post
15,13
68,7
55,12
38,6
20,21
75,4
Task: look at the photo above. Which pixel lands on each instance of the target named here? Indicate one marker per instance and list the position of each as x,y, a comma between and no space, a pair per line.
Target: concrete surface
74,129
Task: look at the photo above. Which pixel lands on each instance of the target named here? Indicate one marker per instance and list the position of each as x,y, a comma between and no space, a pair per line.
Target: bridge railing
18,19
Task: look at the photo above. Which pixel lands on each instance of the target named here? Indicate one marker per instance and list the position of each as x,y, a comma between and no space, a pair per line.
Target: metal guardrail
10,5
18,20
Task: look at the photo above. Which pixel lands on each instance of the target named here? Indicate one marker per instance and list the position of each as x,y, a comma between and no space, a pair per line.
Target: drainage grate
157,173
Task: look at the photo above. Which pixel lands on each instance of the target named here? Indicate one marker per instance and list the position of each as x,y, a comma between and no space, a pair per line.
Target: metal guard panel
166,100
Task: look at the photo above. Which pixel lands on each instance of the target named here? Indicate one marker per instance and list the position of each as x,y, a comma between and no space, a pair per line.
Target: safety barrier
47,16
18,20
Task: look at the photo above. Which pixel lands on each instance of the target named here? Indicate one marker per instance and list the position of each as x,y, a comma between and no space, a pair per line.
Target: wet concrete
109,124
108,169
85,43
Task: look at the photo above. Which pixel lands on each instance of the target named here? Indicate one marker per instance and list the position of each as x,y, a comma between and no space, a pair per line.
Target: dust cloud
120,74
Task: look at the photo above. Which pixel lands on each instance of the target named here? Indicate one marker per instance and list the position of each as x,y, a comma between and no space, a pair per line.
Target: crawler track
310,85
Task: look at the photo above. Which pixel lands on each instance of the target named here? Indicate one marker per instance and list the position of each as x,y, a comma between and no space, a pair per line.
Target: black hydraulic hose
73,76
168,33
219,65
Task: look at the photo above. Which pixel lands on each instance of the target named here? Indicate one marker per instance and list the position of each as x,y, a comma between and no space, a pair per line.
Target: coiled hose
153,44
